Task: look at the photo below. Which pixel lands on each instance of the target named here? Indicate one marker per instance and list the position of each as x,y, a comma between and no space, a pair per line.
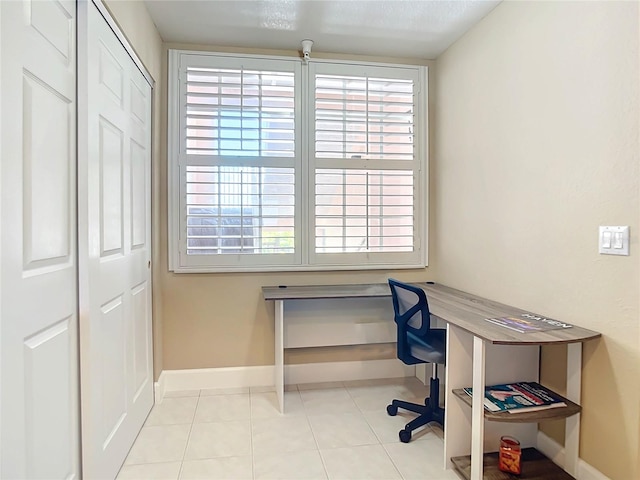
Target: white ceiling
420,29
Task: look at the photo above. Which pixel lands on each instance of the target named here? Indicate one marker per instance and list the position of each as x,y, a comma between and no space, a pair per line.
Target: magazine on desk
520,397
528,322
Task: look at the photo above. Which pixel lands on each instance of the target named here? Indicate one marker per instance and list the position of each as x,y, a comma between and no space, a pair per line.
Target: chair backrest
411,307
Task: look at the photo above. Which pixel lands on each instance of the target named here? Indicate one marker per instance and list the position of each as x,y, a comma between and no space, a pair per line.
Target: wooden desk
470,340
478,353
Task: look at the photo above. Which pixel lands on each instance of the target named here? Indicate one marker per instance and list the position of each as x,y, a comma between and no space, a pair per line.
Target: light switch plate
614,240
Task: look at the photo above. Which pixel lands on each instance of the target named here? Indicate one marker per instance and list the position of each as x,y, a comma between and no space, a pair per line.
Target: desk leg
477,411
279,353
459,374
572,424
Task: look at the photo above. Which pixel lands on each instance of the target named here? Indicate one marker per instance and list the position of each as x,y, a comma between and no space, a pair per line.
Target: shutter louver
361,117
240,210
237,112
364,211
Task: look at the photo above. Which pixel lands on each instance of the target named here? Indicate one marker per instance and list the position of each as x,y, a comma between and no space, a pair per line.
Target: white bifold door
39,430
114,171
74,243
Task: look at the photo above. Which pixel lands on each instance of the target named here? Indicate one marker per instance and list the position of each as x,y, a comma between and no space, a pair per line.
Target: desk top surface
307,292
461,309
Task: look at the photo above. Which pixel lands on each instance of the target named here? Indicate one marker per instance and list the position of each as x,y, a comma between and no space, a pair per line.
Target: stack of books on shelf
519,397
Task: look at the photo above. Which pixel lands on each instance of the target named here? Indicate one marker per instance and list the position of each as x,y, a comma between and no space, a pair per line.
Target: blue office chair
417,343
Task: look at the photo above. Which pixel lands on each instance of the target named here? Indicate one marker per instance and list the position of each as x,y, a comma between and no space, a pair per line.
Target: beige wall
535,146
135,22
221,320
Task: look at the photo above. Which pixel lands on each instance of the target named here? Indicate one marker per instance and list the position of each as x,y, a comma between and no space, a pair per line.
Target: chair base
429,412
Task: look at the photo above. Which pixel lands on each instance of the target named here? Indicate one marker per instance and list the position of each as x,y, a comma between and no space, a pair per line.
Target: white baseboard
555,452
261,376
229,377
159,389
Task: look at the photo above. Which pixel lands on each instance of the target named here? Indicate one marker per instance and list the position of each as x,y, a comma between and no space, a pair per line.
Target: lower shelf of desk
535,466
526,417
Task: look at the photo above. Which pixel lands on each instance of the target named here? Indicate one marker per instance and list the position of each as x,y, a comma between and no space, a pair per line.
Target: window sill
295,268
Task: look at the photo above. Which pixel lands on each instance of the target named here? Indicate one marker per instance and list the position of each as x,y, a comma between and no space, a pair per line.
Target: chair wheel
392,410
405,436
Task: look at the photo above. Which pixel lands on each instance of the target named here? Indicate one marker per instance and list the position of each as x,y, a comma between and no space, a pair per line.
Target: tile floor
329,431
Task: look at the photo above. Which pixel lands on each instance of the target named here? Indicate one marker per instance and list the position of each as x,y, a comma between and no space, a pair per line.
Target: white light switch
618,241
614,240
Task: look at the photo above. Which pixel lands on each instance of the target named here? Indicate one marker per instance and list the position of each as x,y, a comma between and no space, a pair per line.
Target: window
279,165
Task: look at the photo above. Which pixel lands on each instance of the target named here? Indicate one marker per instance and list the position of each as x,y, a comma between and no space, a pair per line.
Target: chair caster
405,436
392,410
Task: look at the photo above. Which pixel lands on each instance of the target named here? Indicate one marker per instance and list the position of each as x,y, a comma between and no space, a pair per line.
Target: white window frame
305,258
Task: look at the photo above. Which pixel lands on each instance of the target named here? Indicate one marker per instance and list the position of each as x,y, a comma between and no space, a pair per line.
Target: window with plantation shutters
276,164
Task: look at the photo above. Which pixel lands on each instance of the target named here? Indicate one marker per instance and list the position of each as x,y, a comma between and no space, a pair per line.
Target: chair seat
431,350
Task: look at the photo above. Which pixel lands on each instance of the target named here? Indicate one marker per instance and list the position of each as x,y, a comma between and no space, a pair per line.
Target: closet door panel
114,251
38,288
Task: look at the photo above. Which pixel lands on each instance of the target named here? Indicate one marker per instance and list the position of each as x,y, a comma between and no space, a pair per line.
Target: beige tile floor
329,431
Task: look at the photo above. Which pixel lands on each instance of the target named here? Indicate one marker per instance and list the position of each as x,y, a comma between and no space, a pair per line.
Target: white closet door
38,319
114,173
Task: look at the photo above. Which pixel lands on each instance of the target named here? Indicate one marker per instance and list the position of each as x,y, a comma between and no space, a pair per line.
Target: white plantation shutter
240,112
240,210
366,165
279,165
364,211
363,117
238,159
